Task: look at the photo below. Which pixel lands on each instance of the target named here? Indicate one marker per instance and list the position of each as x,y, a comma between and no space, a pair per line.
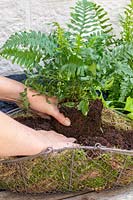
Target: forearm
24,138
18,140
10,89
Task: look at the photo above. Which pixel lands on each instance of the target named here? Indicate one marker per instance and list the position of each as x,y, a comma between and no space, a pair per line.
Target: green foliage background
80,63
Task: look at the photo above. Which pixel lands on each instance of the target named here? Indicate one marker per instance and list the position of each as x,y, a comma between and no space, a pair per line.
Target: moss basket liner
69,170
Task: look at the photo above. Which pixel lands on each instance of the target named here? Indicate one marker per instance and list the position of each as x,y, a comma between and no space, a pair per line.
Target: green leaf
92,68
109,83
84,106
129,105
130,115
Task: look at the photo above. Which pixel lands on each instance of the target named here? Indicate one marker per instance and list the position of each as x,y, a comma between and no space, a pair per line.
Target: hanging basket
84,168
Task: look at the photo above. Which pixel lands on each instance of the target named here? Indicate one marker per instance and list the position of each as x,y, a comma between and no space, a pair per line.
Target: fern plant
77,64
88,19
127,23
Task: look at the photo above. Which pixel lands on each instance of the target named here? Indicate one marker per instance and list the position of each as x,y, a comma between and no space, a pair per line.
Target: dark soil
87,130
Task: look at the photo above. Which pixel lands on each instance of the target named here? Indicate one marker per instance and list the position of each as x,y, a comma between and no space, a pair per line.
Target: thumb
60,117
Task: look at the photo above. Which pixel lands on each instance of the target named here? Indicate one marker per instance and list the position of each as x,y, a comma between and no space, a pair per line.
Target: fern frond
27,48
123,52
61,37
89,18
25,58
30,40
117,65
127,23
126,89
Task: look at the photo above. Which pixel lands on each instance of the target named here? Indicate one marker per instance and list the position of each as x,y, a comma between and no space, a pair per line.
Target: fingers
72,145
37,103
41,105
60,137
60,117
71,140
65,145
66,139
57,141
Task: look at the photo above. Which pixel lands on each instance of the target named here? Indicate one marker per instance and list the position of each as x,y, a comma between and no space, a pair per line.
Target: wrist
27,99
23,100
10,89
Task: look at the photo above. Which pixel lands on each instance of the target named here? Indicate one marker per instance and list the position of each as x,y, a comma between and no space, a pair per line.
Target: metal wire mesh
68,169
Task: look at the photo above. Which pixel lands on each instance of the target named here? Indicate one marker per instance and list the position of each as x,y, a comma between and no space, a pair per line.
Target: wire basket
84,168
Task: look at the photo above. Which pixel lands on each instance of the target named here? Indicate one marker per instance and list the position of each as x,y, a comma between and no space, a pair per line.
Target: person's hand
17,139
54,140
10,90
47,106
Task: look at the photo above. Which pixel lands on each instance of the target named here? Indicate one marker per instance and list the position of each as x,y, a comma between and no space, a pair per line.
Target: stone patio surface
124,193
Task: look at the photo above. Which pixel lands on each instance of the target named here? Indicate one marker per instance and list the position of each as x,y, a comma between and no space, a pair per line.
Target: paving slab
124,193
